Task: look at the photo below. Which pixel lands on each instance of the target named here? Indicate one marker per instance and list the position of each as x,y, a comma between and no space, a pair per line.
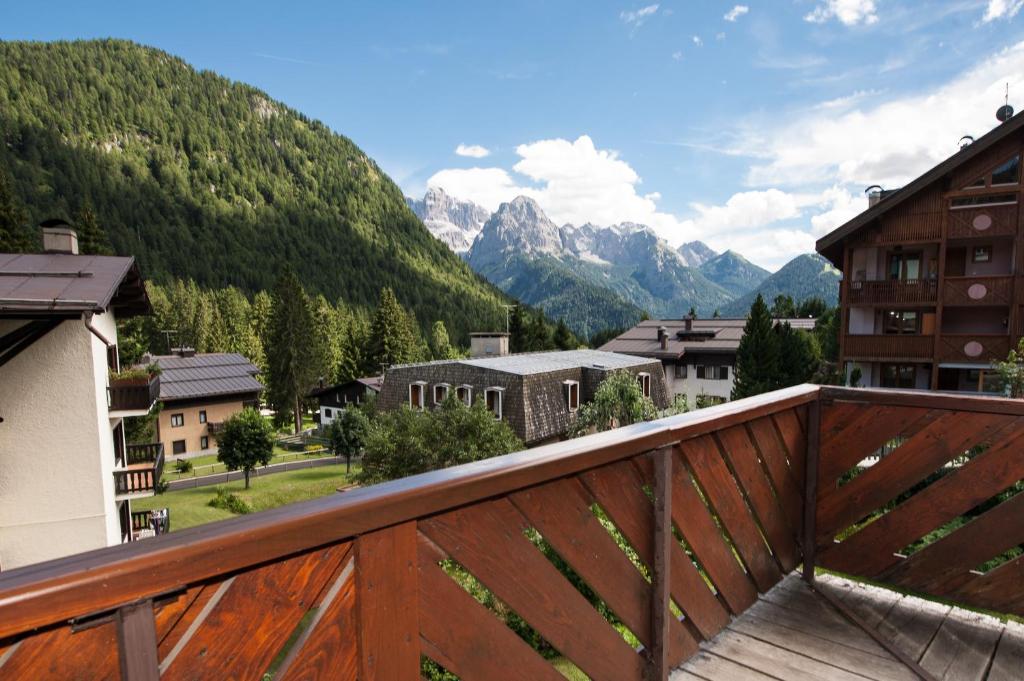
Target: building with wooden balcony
933,273
67,477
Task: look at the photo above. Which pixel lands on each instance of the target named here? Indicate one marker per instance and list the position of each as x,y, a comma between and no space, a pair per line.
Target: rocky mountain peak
453,221
696,253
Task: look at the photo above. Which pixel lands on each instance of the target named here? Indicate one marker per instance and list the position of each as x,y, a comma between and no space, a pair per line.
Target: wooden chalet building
933,273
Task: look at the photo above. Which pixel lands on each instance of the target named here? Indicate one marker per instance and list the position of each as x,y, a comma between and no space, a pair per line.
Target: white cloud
847,12
488,187
636,18
737,11
720,35
472,151
697,41
1001,9
678,55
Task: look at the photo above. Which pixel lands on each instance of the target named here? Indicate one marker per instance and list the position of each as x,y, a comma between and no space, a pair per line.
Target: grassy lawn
208,465
189,506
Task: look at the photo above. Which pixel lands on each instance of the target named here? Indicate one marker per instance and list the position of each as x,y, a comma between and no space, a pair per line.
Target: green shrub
229,502
183,466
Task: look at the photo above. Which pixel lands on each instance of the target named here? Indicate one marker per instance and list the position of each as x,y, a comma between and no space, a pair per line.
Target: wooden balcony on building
133,396
142,473
971,291
893,292
984,221
976,348
660,546
889,347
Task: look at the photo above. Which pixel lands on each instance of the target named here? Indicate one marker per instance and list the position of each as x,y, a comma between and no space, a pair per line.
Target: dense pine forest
209,180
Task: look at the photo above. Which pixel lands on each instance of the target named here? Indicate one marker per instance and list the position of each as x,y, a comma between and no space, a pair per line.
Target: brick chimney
59,237
663,337
688,323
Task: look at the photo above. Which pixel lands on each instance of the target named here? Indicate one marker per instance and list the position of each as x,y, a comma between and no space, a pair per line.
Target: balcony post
660,604
136,642
811,488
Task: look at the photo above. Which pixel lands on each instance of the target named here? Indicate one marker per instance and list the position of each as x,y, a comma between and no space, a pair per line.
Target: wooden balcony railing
133,394
984,221
884,347
996,290
893,292
978,348
674,526
145,453
143,475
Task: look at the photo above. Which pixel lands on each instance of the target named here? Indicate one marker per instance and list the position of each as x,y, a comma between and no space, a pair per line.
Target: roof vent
59,237
966,141
184,352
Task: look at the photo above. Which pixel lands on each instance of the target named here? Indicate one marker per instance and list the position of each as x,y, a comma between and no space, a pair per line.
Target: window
572,394
681,371
204,442
416,391
981,254
327,412
492,398
1007,173
644,379
440,392
986,380
713,373
990,200
202,416
901,321
177,420
178,447
465,394
905,266
898,375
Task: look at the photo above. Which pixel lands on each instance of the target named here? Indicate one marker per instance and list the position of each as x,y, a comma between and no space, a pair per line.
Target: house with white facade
67,478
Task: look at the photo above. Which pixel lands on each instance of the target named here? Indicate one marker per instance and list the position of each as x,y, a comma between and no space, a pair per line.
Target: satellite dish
1005,113
965,140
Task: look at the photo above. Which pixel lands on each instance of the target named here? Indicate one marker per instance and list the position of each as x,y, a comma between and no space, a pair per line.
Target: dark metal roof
642,339
372,382
830,245
59,284
206,375
528,363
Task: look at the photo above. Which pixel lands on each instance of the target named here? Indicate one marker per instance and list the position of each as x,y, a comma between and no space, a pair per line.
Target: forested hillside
204,178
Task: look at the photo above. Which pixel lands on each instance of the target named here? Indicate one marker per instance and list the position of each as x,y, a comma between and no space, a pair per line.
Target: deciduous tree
246,442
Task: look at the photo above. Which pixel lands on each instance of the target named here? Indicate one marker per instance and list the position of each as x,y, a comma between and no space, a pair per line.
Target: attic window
492,398
1007,173
416,391
572,395
644,379
465,394
989,200
440,392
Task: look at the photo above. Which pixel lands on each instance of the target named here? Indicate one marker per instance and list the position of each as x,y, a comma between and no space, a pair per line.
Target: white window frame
644,379
468,401
422,385
569,386
499,402
447,388
180,417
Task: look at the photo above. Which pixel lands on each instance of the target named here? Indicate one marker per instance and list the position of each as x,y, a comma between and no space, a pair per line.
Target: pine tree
757,358
440,343
392,337
517,330
92,239
291,357
14,234
692,314
783,307
325,338
799,356
563,338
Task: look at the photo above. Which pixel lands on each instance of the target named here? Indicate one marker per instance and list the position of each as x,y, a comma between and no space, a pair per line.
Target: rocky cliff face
518,227
453,221
696,253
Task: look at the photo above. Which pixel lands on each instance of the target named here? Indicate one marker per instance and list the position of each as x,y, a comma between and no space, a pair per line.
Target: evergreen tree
826,330
757,358
291,357
260,312
440,344
812,307
392,336
14,234
92,239
325,338
799,356
717,314
517,330
692,314
783,307
563,338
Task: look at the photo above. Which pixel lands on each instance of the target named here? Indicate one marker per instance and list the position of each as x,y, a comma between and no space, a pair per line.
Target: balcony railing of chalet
906,228
889,347
142,473
133,394
977,348
893,291
717,506
994,290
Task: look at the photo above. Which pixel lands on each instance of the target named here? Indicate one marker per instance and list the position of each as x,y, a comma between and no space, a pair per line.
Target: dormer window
493,398
572,394
465,394
1005,174
417,391
440,392
644,379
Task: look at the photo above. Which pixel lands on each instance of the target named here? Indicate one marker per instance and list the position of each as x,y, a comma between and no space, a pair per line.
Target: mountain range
599,277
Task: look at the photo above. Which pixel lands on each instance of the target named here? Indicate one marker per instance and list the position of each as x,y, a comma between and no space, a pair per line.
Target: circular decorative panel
973,349
977,291
981,222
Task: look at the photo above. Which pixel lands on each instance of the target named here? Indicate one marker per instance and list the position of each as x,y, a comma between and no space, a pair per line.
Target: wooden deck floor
793,633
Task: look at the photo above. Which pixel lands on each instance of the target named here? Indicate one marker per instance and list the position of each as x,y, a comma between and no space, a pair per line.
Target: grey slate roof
642,339
529,363
206,375
64,284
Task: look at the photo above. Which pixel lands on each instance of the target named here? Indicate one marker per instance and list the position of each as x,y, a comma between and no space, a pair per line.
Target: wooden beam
661,572
136,642
811,489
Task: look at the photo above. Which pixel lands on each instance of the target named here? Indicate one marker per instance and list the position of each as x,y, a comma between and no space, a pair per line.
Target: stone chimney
184,352
488,344
663,337
688,323
59,237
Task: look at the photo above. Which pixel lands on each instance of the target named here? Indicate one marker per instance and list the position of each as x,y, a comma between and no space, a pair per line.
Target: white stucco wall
693,387
56,449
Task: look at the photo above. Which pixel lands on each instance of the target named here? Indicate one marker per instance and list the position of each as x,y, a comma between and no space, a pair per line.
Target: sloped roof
528,363
830,245
206,375
65,284
642,339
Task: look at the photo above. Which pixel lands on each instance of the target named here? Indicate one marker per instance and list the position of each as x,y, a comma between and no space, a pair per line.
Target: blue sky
752,125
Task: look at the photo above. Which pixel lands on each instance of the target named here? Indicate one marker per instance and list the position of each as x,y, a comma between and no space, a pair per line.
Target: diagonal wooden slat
776,459
739,451
873,549
252,619
560,511
466,639
998,589
947,437
64,654
617,489
872,427
708,468
792,432
488,540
